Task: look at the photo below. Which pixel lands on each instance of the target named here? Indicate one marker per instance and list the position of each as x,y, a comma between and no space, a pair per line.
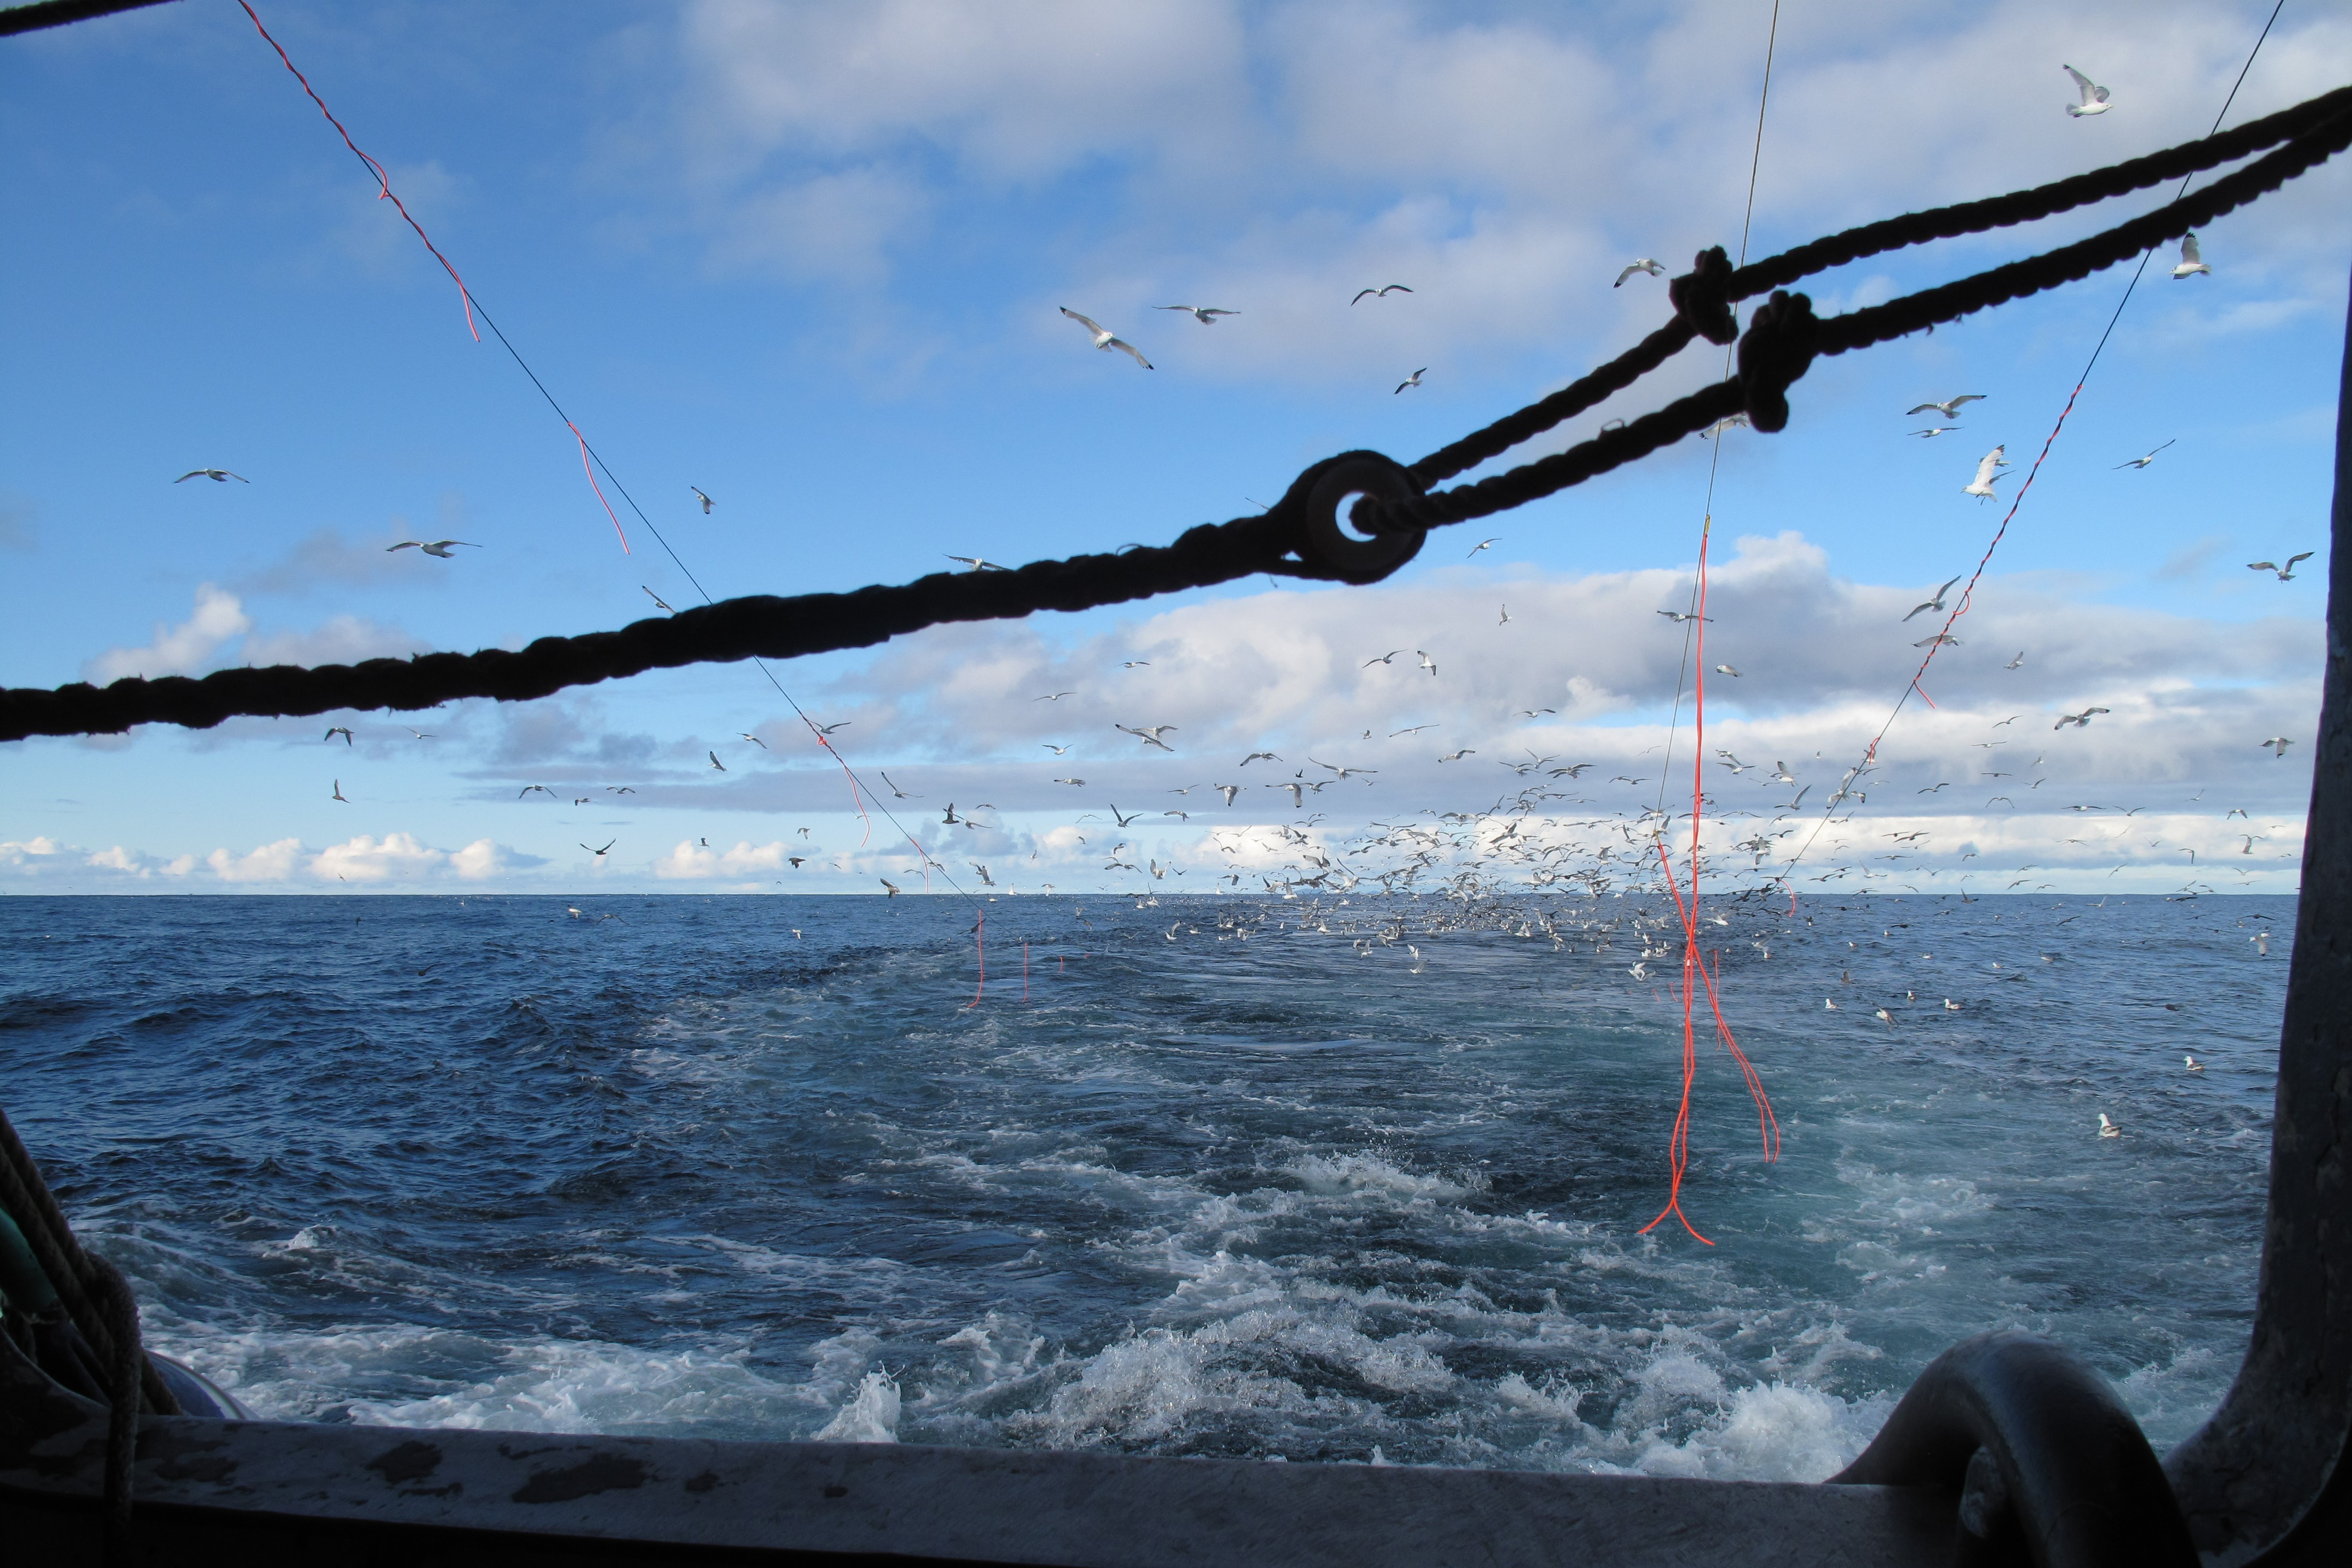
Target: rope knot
1778,348
1702,297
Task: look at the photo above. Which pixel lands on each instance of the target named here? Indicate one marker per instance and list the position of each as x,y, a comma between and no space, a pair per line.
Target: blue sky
808,259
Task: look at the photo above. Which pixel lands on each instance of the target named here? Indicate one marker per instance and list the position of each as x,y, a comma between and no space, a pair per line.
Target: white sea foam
870,1416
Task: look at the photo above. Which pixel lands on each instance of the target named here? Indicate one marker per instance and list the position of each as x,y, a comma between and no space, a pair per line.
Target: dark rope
1781,345
72,1272
58,13
1704,297
122,1380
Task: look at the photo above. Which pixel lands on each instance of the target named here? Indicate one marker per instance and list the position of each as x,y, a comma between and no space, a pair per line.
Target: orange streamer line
383,194
594,486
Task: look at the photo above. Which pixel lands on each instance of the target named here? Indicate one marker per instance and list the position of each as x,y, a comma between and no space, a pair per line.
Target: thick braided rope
1871,239
767,626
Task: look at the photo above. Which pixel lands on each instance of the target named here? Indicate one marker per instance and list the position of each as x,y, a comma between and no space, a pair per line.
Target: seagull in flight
1679,616
1936,600
755,740
418,733
2078,719
1483,545
1382,293
1727,669
889,888
1135,664
1507,616
1057,750
601,853
541,788
1228,791
1941,639
1949,409
2093,101
1205,314
705,500
1464,752
337,730
715,762
1123,819
2143,462
1053,697
1936,430
1255,756
2278,745
977,564
1412,380
436,547
1428,664
1148,734
2013,663
217,476
339,793
820,729
1640,264
2285,572
1384,659
1105,339
1078,782
1987,473
896,791
2191,262
656,598
1414,730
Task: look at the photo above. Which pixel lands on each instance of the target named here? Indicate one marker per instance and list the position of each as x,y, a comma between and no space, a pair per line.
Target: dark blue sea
1344,1181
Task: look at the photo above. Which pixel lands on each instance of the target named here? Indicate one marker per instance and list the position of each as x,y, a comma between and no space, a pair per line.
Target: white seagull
436,547
2108,1128
1727,669
2143,462
2278,745
1148,734
1382,293
1105,339
977,564
1936,600
1949,410
1987,473
2093,101
337,730
2285,572
715,762
2192,1064
1936,430
2191,262
1641,264
1205,314
2080,719
1428,664
700,497
217,476
1412,380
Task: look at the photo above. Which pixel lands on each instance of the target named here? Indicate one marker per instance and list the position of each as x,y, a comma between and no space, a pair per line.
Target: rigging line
1714,459
1870,754
473,308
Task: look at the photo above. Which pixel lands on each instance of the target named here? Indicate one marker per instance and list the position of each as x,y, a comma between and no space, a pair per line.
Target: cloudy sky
808,259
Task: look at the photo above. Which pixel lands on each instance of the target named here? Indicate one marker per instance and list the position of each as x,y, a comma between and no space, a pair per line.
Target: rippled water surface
1224,1183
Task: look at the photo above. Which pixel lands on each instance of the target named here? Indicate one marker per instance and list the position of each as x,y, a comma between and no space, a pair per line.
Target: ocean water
1342,1180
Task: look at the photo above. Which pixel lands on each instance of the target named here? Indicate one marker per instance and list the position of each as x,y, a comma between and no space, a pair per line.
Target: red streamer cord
384,195
594,486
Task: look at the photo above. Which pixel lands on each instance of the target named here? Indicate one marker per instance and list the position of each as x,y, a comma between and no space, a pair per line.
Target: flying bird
2143,462
890,889
715,762
339,793
2078,719
1382,293
703,498
337,730
2191,262
217,476
1428,664
1641,264
1079,782
1057,750
1949,409
541,788
820,729
1228,791
1135,664
1148,734
2093,100
418,733
1205,314
1053,697
1936,430
2278,745
1482,544
755,740
1727,669
1123,819
1384,659
1987,474
436,547
1679,616
1941,639
656,598
1936,600
1507,616
977,564
601,853
1464,752
1105,339
1412,380
2285,572
1255,756
2013,663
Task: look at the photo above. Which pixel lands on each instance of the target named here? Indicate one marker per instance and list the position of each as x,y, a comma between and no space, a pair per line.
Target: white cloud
346,639
270,863
218,620
692,861
396,857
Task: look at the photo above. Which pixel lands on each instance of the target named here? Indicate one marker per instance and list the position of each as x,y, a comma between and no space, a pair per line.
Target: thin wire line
475,308
1870,753
1747,221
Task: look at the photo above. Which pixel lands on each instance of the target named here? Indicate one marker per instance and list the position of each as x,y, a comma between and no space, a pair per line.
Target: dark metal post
2267,1475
